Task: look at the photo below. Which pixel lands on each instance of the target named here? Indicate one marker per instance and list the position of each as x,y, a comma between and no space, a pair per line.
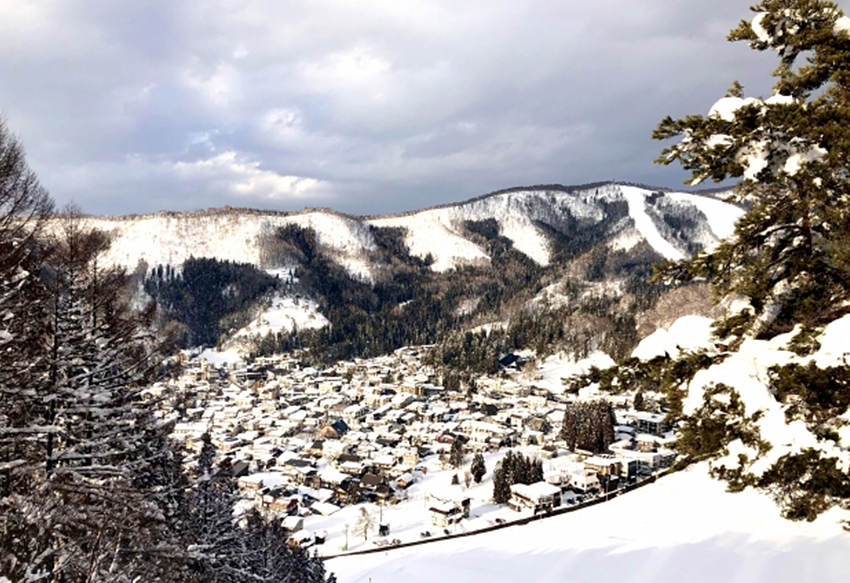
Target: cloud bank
368,107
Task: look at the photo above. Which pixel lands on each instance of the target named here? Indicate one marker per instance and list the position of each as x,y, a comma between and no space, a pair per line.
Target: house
355,414
324,508
603,466
240,468
646,443
537,497
286,505
371,484
652,423
405,480
384,463
584,482
334,430
512,360
316,449
410,457
629,468
444,513
299,469
607,470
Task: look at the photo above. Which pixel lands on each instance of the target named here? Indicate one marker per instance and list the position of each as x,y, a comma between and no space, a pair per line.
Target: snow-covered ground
234,235
636,198
409,519
222,357
685,334
555,368
285,314
685,528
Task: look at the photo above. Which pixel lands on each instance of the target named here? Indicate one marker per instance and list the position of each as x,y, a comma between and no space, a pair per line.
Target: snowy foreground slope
683,529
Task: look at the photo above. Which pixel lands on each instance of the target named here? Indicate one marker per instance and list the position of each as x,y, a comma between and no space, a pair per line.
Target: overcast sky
365,106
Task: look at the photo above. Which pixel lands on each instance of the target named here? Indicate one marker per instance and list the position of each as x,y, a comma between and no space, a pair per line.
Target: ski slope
683,529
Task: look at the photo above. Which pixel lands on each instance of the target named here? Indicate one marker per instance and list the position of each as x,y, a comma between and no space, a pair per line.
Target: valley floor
685,528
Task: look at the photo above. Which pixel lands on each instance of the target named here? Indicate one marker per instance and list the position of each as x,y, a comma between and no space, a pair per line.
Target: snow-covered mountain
673,223
564,226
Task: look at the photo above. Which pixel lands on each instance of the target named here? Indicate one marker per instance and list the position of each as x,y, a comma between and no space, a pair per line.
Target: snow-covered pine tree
790,254
270,558
79,436
217,549
24,208
100,356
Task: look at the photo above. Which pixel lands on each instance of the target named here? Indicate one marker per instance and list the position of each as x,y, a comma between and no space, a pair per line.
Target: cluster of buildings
306,441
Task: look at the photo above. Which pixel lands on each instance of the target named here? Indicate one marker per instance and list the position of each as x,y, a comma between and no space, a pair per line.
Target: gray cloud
370,106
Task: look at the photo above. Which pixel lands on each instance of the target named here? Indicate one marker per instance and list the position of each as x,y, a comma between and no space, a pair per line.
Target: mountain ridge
528,217
567,189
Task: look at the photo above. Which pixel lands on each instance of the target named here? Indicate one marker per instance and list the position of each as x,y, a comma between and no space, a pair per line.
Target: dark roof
371,480
298,463
340,426
508,359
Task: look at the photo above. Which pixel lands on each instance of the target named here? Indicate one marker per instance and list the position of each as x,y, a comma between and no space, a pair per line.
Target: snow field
284,314
555,368
228,236
684,528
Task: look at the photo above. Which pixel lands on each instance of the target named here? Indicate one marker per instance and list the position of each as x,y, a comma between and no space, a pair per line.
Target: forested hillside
411,304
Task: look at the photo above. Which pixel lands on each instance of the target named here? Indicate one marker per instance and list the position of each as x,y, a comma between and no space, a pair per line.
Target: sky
366,106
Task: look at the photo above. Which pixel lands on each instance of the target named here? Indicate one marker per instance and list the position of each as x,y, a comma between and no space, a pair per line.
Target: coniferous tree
790,253
217,541
457,453
569,431
589,425
501,487
99,357
536,474
478,468
638,402
24,208
269,558
72,423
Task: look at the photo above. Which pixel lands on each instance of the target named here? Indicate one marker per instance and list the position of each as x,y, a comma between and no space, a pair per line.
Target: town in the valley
377,452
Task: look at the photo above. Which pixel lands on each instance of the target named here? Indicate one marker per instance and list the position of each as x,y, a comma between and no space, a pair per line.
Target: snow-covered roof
537,491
